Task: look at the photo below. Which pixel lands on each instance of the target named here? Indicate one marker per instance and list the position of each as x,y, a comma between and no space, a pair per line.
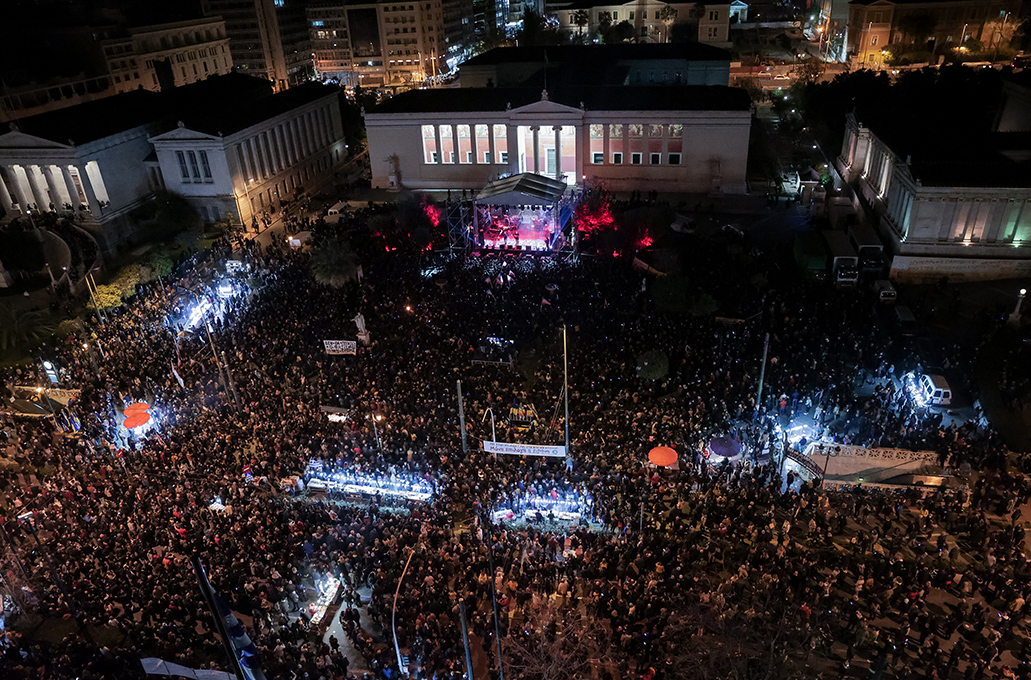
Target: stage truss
515,222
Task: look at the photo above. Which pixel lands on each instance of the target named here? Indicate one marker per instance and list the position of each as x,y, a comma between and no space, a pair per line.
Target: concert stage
523,213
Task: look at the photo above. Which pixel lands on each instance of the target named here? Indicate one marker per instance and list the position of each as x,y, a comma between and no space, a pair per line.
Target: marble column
91,196
55,190
41,197
69,183
281,140
558,151
511,144
5,196
492,145
581,145
19,188
535,129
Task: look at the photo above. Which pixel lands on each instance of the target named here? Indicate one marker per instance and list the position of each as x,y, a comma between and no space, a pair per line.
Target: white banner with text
341,346
511,449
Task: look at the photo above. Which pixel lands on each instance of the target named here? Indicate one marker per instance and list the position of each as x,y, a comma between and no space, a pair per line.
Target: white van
935,390
337,209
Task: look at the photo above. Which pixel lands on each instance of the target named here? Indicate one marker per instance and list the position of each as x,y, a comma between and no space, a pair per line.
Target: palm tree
334,263
581,18
668,15
23,327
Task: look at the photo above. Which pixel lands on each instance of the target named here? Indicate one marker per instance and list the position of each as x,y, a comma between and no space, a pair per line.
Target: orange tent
663,456
136,419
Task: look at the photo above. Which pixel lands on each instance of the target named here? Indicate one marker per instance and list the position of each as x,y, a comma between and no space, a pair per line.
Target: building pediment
184,134
546,108
16,139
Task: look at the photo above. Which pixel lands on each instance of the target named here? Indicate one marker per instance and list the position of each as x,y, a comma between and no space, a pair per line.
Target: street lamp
1015,316
375,429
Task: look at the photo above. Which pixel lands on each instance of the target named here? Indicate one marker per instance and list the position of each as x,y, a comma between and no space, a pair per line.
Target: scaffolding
458,216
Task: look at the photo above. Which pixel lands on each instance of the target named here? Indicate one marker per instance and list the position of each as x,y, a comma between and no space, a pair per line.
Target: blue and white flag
237,642
238,638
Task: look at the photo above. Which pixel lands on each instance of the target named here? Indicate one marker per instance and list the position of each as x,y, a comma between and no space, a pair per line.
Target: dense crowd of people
745,568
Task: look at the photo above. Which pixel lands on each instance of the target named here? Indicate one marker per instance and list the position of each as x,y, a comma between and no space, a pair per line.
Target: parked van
935,390
885,292
337,209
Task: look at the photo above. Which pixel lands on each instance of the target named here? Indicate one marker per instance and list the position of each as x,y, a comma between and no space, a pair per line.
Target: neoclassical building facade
683,139
226,145
942,219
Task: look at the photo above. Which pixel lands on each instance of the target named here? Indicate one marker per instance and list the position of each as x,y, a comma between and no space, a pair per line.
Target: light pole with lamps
1015,316
493,435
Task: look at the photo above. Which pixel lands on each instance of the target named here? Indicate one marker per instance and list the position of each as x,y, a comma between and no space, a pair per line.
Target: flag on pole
238,638
178,377
237,642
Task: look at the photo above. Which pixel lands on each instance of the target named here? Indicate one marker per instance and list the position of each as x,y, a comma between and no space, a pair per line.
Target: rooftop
618,52
523,189
230,119
220,104
686,98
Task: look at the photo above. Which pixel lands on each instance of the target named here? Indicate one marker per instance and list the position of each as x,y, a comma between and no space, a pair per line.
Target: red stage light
432,212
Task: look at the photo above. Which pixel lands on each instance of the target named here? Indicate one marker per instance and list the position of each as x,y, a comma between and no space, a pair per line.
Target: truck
843,261
840,212
867,244
811,256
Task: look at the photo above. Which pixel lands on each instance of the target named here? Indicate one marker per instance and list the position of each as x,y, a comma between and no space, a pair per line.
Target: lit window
598,157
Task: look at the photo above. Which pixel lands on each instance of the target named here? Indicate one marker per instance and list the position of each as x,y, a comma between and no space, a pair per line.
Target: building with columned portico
559,113
962,212
227,145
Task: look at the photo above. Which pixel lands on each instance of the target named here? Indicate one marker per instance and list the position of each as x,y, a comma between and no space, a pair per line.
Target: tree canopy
333,263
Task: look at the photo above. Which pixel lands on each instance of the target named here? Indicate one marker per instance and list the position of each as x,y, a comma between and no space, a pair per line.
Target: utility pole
489,524
89,280
401,666
762,375
565,382
461,418
226,382
465,640
232,383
